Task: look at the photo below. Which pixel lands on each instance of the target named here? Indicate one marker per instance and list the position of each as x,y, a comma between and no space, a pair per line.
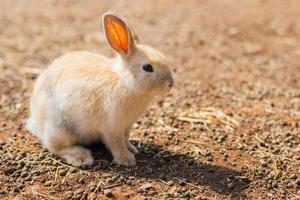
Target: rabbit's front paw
125,159
77,156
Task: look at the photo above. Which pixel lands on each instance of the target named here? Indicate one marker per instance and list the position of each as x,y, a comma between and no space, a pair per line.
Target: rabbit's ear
119,34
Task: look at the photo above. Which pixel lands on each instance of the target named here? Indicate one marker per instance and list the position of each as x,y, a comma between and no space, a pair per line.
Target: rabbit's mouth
167,86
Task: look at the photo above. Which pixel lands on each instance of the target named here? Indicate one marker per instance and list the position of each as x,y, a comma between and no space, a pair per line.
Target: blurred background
235,110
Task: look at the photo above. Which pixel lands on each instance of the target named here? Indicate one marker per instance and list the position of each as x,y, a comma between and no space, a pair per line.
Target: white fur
84,97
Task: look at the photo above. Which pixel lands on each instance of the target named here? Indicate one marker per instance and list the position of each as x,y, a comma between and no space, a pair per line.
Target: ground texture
230,129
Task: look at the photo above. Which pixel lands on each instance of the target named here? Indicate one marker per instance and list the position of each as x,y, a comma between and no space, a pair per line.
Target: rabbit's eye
148,68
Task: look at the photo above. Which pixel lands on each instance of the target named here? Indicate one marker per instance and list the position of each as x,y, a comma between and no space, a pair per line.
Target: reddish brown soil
238,57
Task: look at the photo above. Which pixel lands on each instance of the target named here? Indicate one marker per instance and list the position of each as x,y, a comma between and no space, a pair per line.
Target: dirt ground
230,129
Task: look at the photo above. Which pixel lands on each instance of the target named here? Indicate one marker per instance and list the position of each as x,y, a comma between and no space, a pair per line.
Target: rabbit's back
79,63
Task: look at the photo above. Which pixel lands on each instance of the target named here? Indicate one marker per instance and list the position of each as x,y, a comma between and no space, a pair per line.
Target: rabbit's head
142,68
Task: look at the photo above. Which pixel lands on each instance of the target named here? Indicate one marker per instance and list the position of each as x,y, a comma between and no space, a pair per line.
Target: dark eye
148,68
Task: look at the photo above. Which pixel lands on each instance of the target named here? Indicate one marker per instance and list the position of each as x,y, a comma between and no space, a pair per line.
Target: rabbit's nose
171,83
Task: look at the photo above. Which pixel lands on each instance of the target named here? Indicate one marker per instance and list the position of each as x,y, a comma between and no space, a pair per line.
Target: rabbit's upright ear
119,34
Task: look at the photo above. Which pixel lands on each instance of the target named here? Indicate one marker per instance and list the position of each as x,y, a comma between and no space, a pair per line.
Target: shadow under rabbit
155,162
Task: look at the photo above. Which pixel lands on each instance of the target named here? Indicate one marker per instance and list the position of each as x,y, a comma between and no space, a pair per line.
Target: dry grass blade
41,195
193,151
30,70
100,183
208,115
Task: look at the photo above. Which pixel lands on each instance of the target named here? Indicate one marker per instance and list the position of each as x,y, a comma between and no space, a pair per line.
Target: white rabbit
84,97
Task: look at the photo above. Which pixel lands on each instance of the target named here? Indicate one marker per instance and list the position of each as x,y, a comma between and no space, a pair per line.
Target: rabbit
83,97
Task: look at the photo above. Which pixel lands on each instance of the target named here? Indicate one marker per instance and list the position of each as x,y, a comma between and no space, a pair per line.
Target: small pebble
48,183
263,163
27,178
274,184
93,187
63,172
2,192
293,176
146,186
230,185
108,193
211,170
170,183
209,158
81,180
128,182
269,186
69,195
23,174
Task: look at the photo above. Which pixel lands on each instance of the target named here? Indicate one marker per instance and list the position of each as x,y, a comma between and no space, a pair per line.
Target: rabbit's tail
30,126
